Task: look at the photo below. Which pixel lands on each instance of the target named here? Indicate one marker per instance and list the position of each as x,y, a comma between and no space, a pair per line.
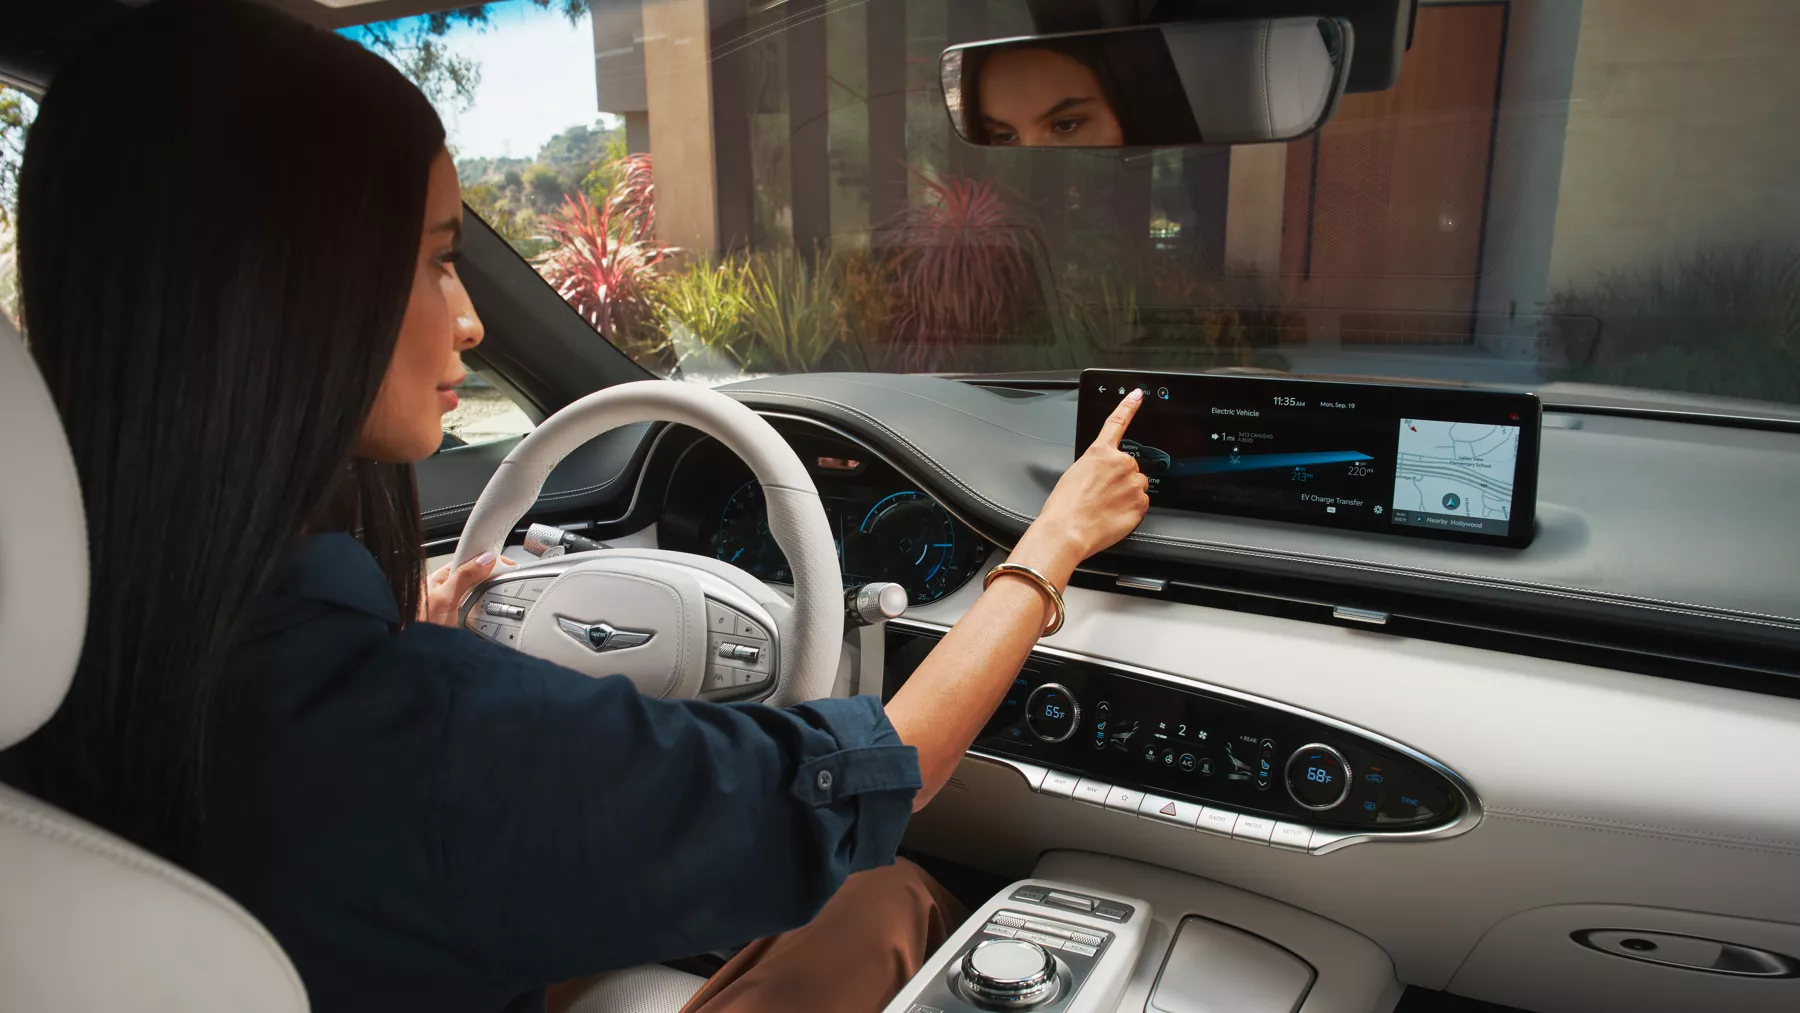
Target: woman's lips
447,399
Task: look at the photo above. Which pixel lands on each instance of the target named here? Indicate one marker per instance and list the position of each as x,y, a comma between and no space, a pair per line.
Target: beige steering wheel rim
810,641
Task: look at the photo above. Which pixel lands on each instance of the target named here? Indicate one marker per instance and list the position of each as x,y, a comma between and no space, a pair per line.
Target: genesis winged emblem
603,636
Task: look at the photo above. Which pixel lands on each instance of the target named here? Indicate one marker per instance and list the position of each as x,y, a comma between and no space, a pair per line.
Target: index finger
1113,429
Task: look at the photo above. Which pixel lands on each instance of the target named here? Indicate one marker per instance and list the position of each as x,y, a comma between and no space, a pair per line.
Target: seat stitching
42,824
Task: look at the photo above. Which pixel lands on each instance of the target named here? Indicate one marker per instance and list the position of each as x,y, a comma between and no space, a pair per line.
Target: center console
1039,946
1080,936
1150,745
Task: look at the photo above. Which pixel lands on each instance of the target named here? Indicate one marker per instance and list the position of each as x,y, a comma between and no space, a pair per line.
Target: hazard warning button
1169,810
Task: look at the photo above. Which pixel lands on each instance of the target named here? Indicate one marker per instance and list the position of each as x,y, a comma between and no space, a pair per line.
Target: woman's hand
943,705
447,585
1099,500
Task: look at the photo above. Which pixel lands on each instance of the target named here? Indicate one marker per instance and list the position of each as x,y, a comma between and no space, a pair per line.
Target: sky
537,80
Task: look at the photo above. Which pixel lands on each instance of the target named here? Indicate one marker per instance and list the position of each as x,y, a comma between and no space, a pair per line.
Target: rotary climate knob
1009,973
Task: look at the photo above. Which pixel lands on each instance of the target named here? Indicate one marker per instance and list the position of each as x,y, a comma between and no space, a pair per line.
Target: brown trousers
882,923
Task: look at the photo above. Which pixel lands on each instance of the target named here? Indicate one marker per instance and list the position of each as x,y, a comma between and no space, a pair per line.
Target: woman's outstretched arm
945,703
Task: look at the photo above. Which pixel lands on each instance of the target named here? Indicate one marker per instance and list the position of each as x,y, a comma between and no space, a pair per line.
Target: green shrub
1723,321
704,307
793,311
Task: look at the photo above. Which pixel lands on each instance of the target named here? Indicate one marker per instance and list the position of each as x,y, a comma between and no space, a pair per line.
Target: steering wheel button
746,628
719,678
488,630
504,610
720,619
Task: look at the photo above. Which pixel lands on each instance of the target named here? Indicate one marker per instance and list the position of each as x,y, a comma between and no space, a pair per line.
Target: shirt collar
336,569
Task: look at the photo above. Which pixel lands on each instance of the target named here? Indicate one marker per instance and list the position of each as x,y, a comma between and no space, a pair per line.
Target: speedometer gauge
880,534
914,543
743,538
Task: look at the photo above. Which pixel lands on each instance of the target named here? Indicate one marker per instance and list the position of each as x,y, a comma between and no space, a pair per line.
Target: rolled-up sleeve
581,826
866,784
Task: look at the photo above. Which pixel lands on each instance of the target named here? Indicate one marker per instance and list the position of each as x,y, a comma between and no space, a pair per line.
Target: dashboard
1563,731
884,526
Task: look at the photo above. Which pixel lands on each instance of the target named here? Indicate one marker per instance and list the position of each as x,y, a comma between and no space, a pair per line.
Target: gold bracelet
1043,584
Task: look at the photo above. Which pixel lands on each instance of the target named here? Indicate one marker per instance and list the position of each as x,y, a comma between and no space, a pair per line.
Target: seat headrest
43,548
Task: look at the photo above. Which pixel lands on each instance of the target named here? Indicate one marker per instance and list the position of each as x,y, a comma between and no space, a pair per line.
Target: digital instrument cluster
884,527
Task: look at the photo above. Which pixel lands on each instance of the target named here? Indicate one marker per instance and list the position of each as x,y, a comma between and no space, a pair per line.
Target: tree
415,45
16,113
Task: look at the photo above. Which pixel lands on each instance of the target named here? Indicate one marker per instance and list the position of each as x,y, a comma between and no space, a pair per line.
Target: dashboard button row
1206,819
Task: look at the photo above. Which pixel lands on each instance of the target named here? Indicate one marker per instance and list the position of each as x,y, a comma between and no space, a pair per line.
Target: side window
483,412
16,112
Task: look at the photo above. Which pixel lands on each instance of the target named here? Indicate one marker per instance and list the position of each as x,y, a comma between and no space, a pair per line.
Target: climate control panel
1131,731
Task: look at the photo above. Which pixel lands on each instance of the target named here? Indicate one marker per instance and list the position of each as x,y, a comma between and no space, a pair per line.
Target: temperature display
1052,713
1317,776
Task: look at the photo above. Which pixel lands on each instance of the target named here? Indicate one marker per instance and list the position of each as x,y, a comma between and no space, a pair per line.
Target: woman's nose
465,322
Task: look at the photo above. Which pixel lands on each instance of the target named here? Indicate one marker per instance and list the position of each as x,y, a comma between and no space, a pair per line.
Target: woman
1073,92
238,242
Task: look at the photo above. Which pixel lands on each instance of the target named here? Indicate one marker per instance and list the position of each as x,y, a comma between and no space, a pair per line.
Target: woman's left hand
447,585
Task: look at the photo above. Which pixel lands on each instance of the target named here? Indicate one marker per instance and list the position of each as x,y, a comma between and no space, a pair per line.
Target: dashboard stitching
1657,604
566,493
1703,842
947,407
1679,831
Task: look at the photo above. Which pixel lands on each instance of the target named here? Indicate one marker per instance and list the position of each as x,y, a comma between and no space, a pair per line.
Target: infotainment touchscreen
1425,461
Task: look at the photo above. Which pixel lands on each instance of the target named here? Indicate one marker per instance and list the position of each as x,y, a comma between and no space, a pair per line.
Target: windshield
1553,193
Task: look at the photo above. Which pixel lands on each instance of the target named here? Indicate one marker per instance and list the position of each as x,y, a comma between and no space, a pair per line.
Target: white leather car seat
87,921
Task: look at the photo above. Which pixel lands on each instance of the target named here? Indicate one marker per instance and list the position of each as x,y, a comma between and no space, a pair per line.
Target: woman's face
1037,98
406,423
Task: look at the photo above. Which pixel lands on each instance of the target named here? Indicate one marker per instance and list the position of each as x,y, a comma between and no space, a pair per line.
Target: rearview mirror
1204,82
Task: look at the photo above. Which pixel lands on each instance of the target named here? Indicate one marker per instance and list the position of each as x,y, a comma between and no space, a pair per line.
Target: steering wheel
678,624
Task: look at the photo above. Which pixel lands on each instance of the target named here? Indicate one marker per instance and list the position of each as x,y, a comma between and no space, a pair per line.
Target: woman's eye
450,258
1003,137
1068,125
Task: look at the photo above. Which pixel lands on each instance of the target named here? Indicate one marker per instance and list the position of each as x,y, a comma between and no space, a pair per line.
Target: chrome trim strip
1135,583
1354,615
1325,840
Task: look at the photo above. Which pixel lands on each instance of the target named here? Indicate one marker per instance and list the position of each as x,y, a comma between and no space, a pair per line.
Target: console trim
1325,840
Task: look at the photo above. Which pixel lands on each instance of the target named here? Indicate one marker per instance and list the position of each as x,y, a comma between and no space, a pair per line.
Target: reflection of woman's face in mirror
1039,98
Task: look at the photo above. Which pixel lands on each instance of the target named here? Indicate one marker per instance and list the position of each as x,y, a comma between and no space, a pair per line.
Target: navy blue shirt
427,820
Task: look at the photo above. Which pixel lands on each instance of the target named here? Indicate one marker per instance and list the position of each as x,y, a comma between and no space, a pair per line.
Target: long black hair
220,213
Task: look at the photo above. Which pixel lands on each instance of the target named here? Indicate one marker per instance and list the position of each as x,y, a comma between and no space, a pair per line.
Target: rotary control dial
1009,974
